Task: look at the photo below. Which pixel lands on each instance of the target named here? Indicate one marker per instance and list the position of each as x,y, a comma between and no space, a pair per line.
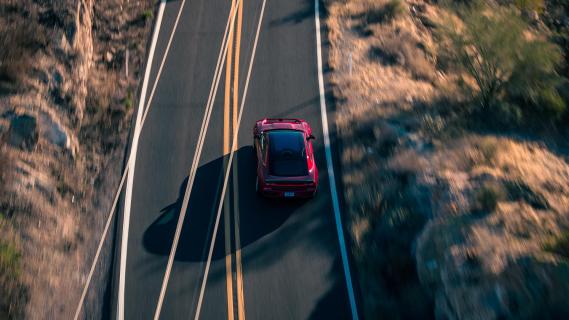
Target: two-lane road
270,259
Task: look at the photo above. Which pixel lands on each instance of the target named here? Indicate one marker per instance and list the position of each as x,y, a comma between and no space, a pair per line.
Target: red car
286,167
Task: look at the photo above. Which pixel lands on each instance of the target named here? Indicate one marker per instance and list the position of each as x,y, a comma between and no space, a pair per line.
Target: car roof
287,153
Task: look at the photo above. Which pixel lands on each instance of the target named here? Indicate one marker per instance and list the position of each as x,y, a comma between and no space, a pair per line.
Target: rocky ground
65,107
449,219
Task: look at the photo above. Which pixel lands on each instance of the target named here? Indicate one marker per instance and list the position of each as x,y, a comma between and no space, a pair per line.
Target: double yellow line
230,114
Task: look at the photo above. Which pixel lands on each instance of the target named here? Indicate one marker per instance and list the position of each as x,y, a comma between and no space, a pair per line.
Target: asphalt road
271,259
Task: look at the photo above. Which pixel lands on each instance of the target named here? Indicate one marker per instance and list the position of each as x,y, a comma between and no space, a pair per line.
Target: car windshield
287,154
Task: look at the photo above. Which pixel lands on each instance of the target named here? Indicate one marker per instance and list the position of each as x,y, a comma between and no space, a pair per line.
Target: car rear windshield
287,154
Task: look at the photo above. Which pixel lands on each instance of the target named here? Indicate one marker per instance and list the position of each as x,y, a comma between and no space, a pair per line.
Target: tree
493,47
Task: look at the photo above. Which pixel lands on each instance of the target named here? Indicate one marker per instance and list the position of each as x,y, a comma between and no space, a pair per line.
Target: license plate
289,194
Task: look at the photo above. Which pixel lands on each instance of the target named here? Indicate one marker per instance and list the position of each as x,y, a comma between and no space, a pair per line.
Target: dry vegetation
458,206
64,120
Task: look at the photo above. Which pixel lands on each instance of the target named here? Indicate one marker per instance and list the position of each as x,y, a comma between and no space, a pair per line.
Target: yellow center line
230,127
238,264
236,71
227,101
226,208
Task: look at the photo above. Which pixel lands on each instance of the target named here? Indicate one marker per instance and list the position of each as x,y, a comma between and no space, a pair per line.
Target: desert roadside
455,169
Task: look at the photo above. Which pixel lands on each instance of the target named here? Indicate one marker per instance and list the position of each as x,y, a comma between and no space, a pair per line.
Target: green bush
508,69
147,14
534,80
128,101
393,9
9,261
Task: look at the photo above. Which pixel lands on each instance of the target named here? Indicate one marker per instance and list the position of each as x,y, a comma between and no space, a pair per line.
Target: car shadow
200,216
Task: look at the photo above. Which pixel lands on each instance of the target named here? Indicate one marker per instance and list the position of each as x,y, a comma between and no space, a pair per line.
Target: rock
53,132
23,132
62,43
108,57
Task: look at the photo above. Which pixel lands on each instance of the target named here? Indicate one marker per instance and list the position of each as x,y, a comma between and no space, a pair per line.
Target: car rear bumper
287,190
297,194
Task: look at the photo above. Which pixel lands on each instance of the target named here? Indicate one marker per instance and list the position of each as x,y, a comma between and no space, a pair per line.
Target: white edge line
131,164
226,179
107,225
332,178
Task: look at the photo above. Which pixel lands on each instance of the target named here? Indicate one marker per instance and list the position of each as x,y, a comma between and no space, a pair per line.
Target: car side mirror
310,137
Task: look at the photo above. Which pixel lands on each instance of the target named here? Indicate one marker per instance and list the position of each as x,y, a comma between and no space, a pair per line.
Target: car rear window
287,154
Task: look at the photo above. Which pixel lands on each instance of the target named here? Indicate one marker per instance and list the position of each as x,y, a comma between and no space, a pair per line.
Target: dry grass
403,50
20,40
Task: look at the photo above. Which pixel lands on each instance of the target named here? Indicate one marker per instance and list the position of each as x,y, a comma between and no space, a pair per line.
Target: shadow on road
280,236
265,216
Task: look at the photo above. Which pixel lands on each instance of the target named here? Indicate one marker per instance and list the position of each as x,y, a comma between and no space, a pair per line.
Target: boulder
108,57
23,132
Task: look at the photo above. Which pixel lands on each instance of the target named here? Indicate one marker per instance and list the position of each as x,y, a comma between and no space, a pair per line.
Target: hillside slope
65,110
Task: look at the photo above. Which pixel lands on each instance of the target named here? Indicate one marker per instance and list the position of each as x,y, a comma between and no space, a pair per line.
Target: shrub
20,39
508,68
14,61
147,14
534,81
390,11
487,198
9,261
13,293
559,245
128,101
404,50
520,191
393,9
